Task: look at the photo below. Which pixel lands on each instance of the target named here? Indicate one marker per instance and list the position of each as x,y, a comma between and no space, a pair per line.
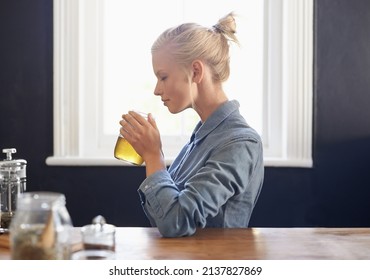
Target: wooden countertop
136,243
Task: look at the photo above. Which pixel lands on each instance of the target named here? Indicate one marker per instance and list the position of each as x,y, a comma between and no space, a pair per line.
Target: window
102,68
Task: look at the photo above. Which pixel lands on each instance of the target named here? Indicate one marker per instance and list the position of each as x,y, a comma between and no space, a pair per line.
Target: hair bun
227,27
226,24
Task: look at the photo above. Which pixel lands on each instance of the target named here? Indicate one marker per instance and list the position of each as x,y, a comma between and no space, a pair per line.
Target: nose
157,90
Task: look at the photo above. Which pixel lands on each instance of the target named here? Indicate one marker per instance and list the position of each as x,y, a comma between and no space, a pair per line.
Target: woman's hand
144,136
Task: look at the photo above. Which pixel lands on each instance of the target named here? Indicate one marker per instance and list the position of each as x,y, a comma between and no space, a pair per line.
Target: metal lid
98,226
9,162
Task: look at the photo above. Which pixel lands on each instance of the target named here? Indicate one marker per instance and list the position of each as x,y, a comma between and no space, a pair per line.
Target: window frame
288,84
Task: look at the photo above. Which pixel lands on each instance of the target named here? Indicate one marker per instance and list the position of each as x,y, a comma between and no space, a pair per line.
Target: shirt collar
223,111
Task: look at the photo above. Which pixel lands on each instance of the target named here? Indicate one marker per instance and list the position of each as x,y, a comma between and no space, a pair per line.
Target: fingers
135,123
141,118
132,119
137,119
151,120
127,128
142,133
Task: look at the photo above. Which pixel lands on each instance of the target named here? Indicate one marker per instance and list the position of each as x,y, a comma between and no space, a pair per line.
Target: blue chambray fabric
215,180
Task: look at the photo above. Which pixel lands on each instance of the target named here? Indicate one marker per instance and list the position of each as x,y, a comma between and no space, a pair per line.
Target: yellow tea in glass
124,151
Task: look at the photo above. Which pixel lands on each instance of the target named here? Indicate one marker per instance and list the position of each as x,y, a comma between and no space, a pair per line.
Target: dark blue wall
336,192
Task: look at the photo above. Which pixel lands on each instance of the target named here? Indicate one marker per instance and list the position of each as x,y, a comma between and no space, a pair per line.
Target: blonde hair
190,41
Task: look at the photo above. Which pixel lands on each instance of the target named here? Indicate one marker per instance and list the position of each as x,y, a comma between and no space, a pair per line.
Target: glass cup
124,151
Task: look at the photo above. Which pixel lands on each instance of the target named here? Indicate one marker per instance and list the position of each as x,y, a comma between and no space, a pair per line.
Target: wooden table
230,244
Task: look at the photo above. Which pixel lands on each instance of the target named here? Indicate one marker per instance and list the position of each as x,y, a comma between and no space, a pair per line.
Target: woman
217,177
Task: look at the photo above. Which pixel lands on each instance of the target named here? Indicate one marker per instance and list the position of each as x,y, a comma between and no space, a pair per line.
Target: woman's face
174,84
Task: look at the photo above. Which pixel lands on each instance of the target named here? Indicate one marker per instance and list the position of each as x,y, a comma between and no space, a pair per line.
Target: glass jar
99,241
41,228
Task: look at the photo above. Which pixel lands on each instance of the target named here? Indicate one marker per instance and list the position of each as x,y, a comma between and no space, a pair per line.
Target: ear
198,71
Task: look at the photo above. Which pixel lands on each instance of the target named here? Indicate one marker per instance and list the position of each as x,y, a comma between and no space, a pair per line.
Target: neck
208,100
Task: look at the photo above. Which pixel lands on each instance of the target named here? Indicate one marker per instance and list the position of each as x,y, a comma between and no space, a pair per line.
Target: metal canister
12,183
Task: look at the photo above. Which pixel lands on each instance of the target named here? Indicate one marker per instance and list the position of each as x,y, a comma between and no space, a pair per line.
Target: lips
165,101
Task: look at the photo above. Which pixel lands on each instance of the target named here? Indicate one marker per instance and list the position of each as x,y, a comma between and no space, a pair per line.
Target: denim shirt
214,181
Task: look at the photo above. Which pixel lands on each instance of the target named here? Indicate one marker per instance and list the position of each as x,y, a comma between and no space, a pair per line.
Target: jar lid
43,200
98,226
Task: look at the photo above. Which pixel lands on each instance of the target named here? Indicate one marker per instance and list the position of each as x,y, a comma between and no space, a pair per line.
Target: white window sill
93,161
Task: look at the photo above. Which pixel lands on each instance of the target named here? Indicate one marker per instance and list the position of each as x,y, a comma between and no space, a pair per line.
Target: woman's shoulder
236,125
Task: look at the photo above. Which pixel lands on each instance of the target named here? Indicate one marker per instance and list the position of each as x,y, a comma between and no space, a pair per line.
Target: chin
173,111
176,109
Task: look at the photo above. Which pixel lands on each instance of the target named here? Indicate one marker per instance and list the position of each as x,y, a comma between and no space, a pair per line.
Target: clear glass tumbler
124,151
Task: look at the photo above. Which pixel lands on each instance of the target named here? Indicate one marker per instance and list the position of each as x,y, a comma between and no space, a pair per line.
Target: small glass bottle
41,227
